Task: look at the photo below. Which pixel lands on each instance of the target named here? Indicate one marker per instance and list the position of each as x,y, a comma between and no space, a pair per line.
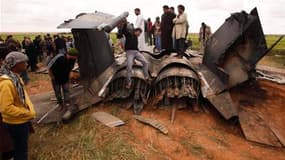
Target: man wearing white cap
16,107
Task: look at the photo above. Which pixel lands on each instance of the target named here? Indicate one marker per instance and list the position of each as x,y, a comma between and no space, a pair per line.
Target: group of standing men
168,34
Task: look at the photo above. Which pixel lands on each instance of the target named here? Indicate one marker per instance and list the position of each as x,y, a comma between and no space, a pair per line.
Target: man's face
137,12
137,33
165,10
21,67
180,10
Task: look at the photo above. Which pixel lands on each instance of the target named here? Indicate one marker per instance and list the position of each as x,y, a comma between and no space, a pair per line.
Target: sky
46,15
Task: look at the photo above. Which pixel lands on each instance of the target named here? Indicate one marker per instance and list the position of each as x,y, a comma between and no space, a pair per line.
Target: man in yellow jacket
16,108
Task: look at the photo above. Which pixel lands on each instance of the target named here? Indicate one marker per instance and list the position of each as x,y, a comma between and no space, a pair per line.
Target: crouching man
59,69
16,108
131,48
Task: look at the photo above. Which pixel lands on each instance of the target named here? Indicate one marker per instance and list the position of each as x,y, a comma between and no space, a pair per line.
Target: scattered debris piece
152,122
107,119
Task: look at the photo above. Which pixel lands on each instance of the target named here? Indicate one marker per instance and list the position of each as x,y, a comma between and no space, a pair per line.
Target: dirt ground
203,135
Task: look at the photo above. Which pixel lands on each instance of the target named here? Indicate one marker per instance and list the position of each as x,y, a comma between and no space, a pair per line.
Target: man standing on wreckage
132,52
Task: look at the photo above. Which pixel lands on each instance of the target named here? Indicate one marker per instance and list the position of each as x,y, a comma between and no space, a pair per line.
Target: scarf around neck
5,70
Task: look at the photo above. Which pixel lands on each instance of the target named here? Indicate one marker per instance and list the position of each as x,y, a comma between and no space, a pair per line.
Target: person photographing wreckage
132,51
59,69
16,107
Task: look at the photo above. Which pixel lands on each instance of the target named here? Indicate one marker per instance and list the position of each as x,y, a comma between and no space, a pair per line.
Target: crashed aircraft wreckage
230,58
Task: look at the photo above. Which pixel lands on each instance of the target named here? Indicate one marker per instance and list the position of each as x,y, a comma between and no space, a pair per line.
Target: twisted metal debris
230,58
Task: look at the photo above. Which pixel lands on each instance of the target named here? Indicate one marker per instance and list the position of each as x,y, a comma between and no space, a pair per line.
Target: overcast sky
46,15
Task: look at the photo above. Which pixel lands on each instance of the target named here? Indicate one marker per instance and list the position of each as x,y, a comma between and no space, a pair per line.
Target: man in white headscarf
140,24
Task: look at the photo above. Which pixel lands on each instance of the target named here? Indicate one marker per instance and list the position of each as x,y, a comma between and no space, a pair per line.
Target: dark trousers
32,62
180,46
20,137
149,36
57,90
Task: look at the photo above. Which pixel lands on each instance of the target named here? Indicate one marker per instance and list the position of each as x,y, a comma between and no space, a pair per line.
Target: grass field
275,58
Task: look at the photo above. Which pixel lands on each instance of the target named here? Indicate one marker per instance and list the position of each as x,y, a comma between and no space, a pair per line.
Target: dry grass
82,139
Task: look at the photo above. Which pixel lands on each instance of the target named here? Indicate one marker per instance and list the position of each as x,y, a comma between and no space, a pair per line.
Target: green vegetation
276,58
20,36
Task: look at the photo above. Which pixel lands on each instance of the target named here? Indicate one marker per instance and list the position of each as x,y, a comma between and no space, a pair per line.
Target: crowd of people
168,32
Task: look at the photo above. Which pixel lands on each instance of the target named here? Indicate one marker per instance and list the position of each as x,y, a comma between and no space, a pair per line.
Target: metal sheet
154,123
255,129
95,53
136,73
210,83
43,103
177,72
87,20
240,36
224,104
107,119
170,61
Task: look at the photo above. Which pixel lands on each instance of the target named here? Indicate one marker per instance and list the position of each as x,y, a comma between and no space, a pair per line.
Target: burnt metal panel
87,20
95,53
210,83
224,104
152,122
241,37
159,66
256,129
177,72
137,72
96,20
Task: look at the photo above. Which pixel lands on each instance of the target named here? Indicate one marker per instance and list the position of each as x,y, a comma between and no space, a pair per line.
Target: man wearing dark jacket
166,28
132,52
59,70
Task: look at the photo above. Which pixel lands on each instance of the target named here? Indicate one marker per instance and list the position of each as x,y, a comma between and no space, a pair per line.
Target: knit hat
15,57
72,52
